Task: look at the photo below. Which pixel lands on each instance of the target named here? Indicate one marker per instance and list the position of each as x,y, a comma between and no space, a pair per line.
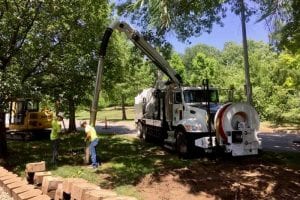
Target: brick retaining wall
41,185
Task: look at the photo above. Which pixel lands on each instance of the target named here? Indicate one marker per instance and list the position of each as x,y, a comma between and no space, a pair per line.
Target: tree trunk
57,107
123,109
72,124
3,144
246,59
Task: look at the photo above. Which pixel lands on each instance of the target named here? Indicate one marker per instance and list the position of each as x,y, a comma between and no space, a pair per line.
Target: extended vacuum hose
102,54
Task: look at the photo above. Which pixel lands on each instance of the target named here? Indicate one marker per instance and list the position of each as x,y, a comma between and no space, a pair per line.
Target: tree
73,63
262,60
17,20
186,18
283,18
192,51
248,86
176,62
45,45
285,97
290,32
134,74
202,68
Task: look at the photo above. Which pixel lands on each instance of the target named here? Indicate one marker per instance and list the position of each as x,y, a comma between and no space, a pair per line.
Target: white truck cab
178,116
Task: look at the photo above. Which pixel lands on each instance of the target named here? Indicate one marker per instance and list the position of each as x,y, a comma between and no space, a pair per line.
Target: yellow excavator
25,119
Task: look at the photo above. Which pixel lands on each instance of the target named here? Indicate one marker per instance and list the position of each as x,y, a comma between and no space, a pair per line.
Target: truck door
177,107
17,112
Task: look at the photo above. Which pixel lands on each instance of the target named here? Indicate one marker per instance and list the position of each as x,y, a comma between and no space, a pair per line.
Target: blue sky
231,31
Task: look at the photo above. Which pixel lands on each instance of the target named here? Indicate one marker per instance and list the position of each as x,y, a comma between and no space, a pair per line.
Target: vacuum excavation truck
185,119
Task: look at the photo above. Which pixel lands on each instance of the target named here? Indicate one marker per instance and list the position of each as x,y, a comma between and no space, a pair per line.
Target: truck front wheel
182,144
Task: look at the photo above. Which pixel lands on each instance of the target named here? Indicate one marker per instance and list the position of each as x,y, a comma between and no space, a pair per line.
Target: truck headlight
193,128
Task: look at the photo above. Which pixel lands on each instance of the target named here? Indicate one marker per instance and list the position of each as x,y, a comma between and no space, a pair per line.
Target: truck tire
139,128
182,147
142,132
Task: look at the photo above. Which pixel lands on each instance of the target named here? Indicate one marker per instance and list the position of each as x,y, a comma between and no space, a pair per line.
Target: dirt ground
227,178
242,179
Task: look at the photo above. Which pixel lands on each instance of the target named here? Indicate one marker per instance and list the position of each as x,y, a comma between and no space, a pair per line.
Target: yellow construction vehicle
26,119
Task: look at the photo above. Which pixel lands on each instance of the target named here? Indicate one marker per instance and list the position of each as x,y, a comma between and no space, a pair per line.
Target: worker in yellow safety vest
55,136
91,136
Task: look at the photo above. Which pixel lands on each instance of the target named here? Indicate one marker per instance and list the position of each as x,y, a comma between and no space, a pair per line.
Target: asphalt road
280,141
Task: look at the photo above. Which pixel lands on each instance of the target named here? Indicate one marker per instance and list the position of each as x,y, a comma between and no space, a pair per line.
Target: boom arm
139,42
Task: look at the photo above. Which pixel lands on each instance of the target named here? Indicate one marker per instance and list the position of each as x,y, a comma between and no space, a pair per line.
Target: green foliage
129,74
184,18
192,51
202,68
275,78
72,65
291,31
283,19
50,50
285,95
50,47
176,63
187,19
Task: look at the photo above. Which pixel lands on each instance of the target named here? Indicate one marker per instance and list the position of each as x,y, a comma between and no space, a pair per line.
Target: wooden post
87,154
105,123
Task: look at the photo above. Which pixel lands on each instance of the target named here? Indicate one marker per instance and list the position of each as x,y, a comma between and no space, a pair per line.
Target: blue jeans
93,154
55,144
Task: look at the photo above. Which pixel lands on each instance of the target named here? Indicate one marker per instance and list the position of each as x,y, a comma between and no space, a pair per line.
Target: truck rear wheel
142,132
182,144
139,133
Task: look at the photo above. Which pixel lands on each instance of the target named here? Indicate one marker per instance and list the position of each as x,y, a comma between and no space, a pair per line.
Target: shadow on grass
267,176
125,160
130,160
35,150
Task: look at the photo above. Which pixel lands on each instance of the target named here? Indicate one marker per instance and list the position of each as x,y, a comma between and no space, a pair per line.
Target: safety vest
92,132
56,128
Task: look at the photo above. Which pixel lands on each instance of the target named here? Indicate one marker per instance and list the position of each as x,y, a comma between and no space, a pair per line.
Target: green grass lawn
111,113
126,160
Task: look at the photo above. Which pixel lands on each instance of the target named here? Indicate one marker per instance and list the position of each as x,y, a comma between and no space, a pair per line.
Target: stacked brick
41,185
16,187
32,168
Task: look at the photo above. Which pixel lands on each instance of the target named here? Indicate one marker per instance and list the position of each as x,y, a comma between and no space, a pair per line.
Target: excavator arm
140,43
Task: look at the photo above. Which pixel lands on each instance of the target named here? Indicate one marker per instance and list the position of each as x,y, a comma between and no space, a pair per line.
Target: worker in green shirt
54,136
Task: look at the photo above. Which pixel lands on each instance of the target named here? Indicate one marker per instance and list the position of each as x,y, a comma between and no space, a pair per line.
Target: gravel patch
4,195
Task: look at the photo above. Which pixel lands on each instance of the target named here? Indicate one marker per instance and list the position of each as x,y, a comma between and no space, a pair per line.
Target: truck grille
34,115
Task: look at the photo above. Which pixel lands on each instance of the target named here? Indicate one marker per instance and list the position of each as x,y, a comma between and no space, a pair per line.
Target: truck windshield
199,96
32,106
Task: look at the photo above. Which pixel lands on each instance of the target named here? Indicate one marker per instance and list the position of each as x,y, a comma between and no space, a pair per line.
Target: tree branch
14,47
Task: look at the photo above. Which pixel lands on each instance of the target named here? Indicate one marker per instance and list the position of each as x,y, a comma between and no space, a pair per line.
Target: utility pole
246,58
